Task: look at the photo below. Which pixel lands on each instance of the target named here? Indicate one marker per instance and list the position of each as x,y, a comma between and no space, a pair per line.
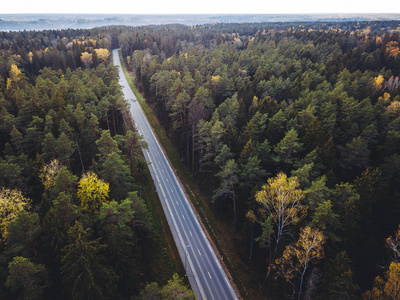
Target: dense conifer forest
73,221
291,130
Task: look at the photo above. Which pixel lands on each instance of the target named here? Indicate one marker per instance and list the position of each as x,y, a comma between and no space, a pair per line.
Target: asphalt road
206,276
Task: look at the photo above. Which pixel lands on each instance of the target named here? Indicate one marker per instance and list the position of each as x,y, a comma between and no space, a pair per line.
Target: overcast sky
200,6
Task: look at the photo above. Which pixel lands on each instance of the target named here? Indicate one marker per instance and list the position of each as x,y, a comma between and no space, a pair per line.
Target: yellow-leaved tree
86,58
30,55
49,173
103,54
15,73
378,82
15,76
12,202
280,206
296,259
282,200
392,284
386,288
389,286
92,192
215,79
394,106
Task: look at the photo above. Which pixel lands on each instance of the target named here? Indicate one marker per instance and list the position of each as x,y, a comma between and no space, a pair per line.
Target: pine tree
84,275
27,279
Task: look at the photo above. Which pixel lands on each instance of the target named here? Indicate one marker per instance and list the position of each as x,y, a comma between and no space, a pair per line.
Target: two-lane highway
206,276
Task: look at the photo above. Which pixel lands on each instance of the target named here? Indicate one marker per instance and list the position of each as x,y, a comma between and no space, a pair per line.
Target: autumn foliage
49,173
102,54
294,125
298,257
12,202
282,199
92,192
387,287
58,97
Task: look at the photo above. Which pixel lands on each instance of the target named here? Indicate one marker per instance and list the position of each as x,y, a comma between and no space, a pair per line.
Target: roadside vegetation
257,110
285,136
79,215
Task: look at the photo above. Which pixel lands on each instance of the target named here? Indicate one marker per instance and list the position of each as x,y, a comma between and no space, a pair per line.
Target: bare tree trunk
105,113
252,241
80,156
272,257
301,283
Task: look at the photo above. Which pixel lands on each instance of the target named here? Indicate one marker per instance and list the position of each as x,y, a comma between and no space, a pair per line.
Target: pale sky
200,6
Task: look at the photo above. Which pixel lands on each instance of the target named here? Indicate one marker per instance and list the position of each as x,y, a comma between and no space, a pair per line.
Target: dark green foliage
325,219
26,279
315,100
116,171
23,236
122,226
242,102
10,173
288,149
65,181
150,292
55,110
339,279
175,289
59,218
84,274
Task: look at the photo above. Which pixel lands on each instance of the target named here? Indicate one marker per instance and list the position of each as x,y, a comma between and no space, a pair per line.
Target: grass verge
166,258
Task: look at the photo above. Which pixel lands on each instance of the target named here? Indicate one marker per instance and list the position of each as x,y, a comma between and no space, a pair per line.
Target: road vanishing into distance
206,276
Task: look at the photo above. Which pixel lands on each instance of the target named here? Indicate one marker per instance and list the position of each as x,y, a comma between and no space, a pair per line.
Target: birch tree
282,200
297,258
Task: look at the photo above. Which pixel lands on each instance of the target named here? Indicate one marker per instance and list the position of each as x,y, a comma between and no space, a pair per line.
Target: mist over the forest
16,22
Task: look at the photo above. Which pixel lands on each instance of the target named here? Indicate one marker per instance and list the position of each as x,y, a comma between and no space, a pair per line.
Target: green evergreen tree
228,180
84,274
288,149
175,289
338,282
26,279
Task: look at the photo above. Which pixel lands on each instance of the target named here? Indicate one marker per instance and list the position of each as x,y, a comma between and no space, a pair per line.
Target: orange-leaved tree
296,259
389,286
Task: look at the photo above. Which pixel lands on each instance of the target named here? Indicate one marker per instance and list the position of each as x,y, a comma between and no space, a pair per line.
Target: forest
75,221
291,131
